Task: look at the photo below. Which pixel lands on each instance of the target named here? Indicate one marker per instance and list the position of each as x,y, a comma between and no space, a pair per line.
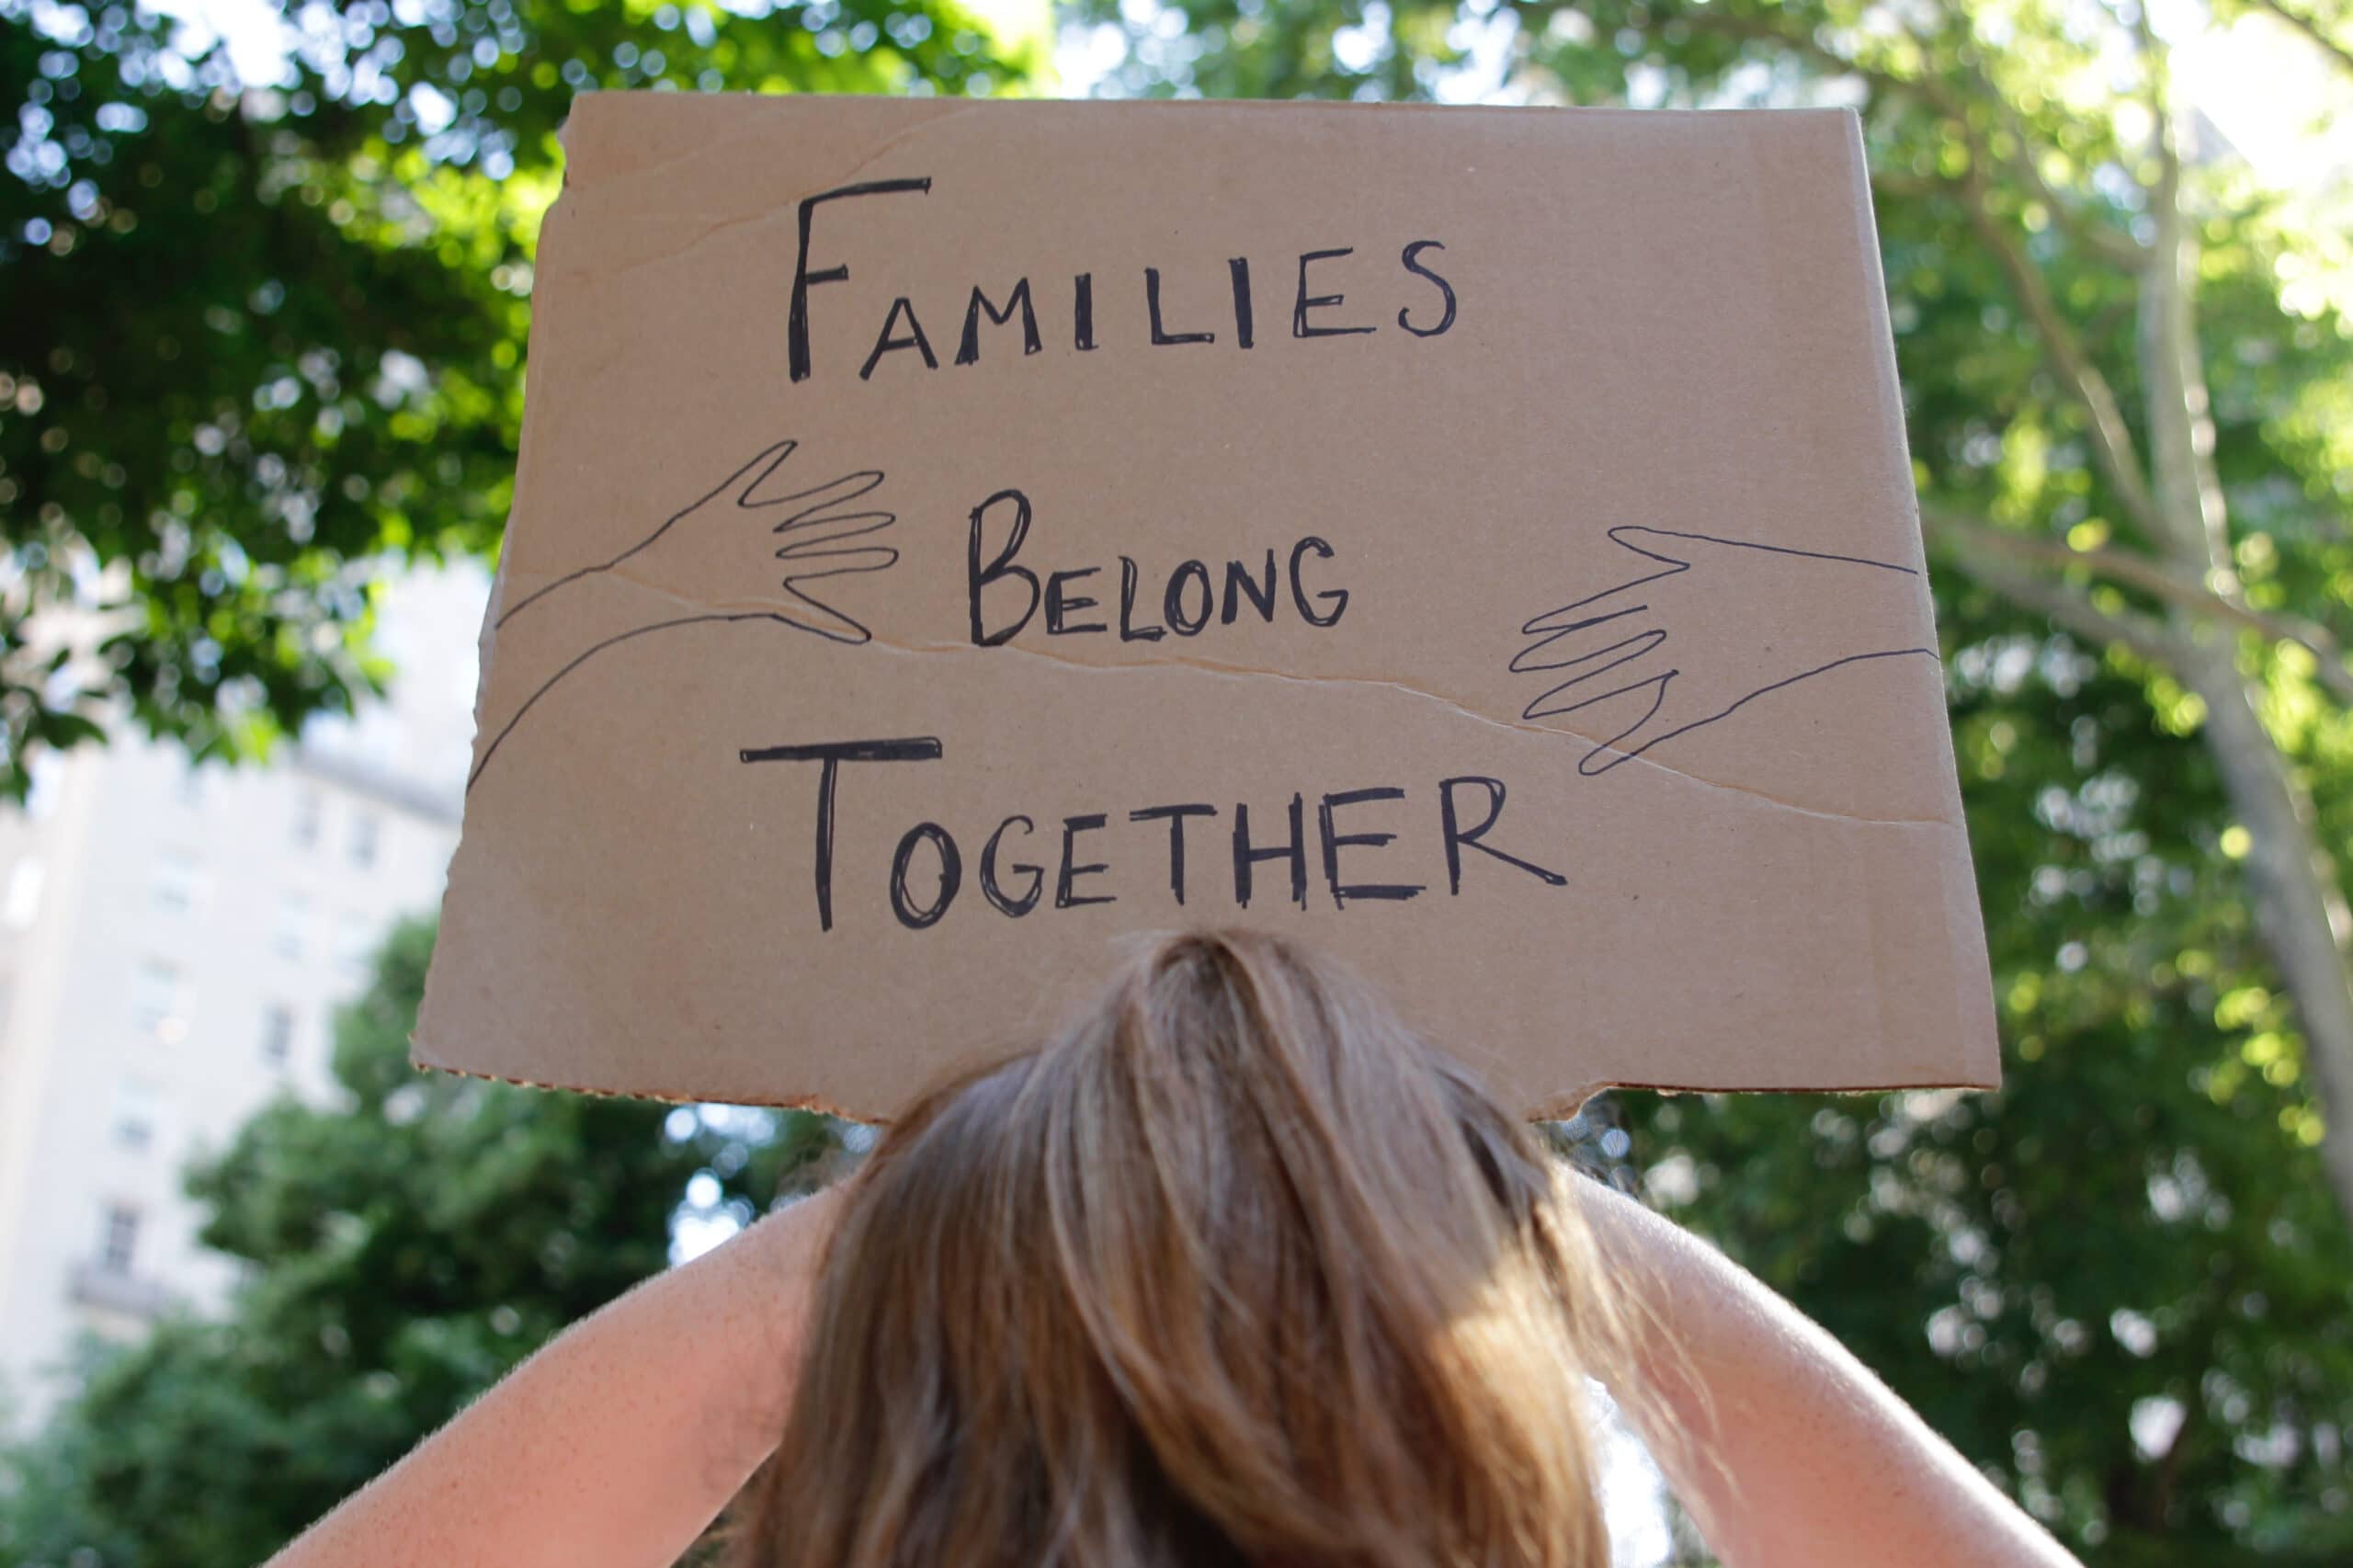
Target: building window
119,1238
22,902
293,920
135,1117
278,1034
179,885
366,829
309,809
41,796
355,943
159,1001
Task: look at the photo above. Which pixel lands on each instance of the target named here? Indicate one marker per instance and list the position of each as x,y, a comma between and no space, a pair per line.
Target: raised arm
1788,1452
616,1445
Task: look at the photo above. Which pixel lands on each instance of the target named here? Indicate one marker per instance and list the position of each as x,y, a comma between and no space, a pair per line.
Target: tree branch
1750,29
2111,438
2109,244
2166,196
1974,540
1984,552
2311,28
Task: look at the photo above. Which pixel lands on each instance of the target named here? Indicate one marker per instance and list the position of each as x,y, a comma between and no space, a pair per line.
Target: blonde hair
1235,1270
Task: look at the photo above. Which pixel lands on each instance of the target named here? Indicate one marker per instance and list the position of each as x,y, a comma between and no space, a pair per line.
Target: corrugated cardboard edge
1977,989
1553,1110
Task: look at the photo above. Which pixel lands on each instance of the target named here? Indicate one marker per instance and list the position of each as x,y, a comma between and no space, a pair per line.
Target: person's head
1235,1270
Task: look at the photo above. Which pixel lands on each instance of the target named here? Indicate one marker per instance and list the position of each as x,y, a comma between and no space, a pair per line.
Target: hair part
1236,1269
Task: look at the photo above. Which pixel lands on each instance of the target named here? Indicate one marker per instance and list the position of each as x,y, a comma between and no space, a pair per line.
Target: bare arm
616,1445
1792,1454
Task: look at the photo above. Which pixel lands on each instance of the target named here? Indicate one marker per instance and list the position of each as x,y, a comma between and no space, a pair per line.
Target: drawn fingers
811,564
827,513
826,520
1608,665
746,480
818,542
1587,643
812,613
816,498
1639,702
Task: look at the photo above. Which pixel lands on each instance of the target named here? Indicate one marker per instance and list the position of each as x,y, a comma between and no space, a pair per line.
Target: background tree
2127,374
408,1246
263,338
2121,1283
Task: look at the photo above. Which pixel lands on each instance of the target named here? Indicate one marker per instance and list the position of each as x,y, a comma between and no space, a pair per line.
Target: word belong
1183,603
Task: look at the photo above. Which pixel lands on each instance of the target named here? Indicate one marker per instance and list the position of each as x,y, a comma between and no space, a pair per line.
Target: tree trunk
2298,901
2300,912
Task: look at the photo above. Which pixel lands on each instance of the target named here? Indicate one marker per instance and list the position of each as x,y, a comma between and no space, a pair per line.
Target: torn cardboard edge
1550,1111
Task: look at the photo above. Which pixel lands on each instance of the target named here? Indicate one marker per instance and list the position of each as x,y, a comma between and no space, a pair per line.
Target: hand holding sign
1620,645
711,559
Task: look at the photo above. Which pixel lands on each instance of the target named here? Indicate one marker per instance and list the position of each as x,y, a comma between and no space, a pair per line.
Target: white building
174,943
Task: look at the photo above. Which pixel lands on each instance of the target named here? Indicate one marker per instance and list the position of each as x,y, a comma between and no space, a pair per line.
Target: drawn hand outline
1607,638
816,547
818,542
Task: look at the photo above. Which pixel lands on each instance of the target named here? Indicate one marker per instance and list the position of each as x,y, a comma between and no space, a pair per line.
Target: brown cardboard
1529,408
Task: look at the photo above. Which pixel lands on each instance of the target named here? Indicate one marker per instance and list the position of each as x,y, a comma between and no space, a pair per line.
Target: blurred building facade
174,944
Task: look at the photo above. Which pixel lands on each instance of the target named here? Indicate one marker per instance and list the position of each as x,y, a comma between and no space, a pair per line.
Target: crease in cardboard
597,167
742,220
766,608
716,224
940,117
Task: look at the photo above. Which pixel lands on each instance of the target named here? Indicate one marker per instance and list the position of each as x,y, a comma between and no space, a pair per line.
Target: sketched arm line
702,554
1615,643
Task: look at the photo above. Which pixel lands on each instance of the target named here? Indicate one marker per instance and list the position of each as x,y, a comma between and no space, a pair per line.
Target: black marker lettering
1336,597
1063,897
978,577
967,352
951,875
1129,630
1240,269
1015,907
1057,606
1457,839
1082,334
796,329
1172,604
1176,816
833,753
1335,841
885,343
1238,581
1246,854
1413,265
1161,339
1305,302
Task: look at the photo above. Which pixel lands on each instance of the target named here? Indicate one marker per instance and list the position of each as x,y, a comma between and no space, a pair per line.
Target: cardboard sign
953,538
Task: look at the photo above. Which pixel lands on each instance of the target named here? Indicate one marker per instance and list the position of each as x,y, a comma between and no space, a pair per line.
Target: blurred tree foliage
260,337
406,1247
2121,1284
